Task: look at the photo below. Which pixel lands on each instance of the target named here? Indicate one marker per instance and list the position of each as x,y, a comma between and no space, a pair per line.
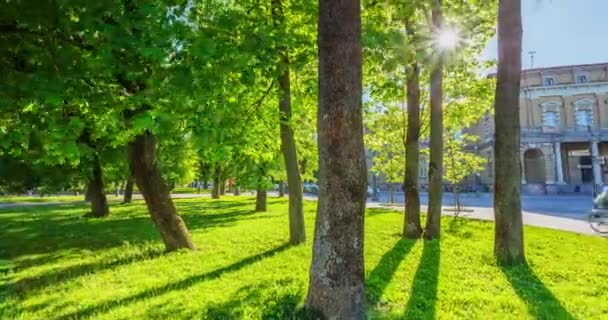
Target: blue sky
562,32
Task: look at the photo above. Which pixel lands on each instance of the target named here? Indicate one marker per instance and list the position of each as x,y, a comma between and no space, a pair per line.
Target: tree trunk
147,174
96,190
508,232
215,193
297,232
433,221
117,189
87,193
237,191
281,189
128,196
222,188
337,287
260,199
411,226
205,184
456,191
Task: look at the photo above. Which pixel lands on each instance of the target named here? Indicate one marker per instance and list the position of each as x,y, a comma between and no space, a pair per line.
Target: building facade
564,130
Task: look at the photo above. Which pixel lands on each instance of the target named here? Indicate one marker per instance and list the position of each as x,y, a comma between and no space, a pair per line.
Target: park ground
54,264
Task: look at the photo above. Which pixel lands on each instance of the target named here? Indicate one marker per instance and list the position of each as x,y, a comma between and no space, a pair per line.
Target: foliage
385,139
59,265
458,162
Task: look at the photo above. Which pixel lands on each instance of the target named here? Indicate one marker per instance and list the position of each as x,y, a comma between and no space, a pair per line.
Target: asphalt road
565,206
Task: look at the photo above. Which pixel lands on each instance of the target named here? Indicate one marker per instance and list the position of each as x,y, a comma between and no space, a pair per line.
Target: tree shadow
377,211
458,227
270,299
45,232
423,296
179,285
379,278
54,276
541,303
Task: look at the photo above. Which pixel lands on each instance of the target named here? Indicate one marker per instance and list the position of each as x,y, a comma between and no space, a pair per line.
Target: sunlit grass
54,264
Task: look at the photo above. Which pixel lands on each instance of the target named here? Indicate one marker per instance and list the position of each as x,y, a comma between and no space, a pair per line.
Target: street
566,206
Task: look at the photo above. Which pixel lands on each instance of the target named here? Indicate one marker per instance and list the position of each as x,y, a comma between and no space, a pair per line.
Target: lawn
37,198
54,264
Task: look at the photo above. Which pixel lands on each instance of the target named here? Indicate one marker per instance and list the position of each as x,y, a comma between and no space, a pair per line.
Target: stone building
564,129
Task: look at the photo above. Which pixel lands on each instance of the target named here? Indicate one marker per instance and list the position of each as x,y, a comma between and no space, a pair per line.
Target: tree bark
205,184
222,187
281,189
336,287
87,193
128,196
433,221
297,231
147,174
96,190
260,199
411,226
215,193
508,231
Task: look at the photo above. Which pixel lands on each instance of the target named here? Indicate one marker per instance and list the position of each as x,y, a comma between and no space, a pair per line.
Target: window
581,78
550,119
422,169
583,113
584,118
549,81
550,114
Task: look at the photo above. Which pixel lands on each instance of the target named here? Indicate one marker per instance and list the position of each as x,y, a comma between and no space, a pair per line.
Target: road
565,206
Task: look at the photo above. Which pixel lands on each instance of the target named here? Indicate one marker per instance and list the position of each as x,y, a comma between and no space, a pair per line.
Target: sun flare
448,39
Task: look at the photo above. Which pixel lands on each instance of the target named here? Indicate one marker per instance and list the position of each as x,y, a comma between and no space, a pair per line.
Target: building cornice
564,90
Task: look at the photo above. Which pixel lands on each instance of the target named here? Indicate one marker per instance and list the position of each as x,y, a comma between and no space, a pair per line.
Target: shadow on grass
423,296
179,285
379,278
458,227
541,303
48,231
27,285
269,300
377,211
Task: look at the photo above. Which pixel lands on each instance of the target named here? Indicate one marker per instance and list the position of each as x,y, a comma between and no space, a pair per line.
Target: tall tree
508,231
96,187
411,225
128,193
297,232
150,182
433,221
337,288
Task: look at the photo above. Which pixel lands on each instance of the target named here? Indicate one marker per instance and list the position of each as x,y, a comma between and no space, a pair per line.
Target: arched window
550,111
583,113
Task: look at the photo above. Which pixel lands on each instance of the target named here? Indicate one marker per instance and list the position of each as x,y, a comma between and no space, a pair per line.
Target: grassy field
38,199
56,265
190,190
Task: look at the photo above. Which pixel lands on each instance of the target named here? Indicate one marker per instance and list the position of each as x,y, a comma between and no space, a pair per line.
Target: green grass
190,190
37,199
54,264
56,198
